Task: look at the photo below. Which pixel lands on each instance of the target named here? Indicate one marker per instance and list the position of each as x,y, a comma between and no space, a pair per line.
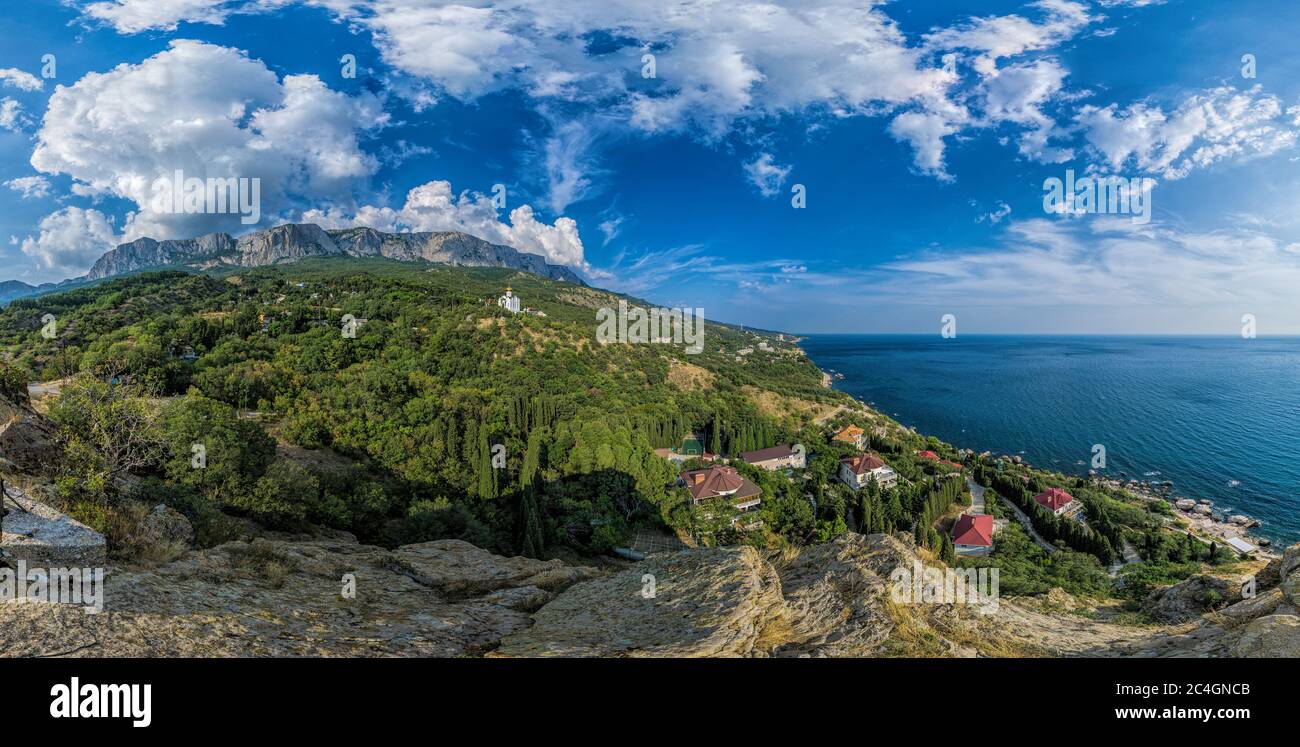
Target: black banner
232,698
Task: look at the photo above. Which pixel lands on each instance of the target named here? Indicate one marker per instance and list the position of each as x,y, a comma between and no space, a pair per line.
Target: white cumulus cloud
11,115
1206,127
208,111
434,207
69,241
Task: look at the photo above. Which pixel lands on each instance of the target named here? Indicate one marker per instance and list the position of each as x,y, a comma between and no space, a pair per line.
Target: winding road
1024,520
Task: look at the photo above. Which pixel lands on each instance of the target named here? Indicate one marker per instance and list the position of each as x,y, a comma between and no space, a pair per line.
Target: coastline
1206,526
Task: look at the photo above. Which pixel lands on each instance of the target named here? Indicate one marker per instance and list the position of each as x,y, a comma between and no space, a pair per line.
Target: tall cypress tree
487,478
532,539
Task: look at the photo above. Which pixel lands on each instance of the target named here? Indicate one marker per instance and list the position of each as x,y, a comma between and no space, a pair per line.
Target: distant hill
12,289
292,242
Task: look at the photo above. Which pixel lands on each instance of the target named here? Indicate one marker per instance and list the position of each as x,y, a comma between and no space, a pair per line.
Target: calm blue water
1217,416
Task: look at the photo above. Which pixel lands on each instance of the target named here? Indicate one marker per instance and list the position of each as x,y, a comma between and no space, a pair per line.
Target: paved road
976,496
1024,520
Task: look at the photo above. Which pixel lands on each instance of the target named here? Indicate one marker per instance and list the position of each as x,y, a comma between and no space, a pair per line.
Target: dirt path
1029,527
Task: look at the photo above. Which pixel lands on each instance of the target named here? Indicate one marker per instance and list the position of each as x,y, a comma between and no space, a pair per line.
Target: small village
973,530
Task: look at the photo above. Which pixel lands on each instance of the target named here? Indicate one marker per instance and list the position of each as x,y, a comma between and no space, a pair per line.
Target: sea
1218,417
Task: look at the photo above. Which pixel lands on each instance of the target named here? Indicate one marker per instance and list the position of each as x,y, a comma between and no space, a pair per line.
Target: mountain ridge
290,242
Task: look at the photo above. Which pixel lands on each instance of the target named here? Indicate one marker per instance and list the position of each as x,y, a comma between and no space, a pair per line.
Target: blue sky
920,132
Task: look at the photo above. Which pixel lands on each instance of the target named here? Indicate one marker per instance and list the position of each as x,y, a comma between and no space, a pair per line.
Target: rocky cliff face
292,242
831,600
146,253
284,596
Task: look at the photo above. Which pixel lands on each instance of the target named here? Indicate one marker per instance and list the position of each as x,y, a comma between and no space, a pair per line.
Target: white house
857,470
775,457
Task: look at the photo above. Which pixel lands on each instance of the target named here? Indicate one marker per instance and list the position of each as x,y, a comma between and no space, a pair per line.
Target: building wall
780,463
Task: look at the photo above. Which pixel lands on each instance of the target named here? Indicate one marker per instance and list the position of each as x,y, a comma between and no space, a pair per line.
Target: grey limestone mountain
295,241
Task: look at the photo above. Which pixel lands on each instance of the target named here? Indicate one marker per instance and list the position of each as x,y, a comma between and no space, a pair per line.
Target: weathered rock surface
459,569
1191,598
166,526
835,596
831,600
43,537
717,602
283,598
1272,636
27,439
1267,625
1290,562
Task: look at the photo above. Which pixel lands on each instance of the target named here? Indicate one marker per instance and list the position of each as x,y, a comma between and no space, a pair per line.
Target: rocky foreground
285,597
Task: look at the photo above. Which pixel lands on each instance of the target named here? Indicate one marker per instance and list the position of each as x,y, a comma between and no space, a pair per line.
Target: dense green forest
440,415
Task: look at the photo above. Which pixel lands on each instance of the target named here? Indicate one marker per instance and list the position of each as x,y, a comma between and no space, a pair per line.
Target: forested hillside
391,433
401,403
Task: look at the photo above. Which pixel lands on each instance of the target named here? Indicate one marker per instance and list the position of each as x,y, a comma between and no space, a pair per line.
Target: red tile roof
973,529
1054,498
715,481
927,454
860,464
780,451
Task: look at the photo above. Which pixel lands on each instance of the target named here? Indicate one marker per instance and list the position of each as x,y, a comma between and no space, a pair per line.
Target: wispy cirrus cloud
30,187
767,175
1110,262
12,77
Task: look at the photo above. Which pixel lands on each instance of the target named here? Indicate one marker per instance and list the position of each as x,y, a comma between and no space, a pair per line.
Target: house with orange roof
851,434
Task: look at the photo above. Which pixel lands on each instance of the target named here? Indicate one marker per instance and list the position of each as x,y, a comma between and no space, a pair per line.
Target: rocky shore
1202,518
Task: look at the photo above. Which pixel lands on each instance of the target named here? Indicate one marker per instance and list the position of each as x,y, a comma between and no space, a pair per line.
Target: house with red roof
1055,500
722,482
856,471
972,534
930,455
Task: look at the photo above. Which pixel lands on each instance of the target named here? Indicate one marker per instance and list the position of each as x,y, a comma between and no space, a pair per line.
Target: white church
509,302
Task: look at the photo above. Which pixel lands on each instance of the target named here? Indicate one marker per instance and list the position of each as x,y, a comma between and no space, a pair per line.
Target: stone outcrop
1264,626
277,597
830,600
144,253
45,538
1191,598
165,526
27,439
716,602
1271,637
